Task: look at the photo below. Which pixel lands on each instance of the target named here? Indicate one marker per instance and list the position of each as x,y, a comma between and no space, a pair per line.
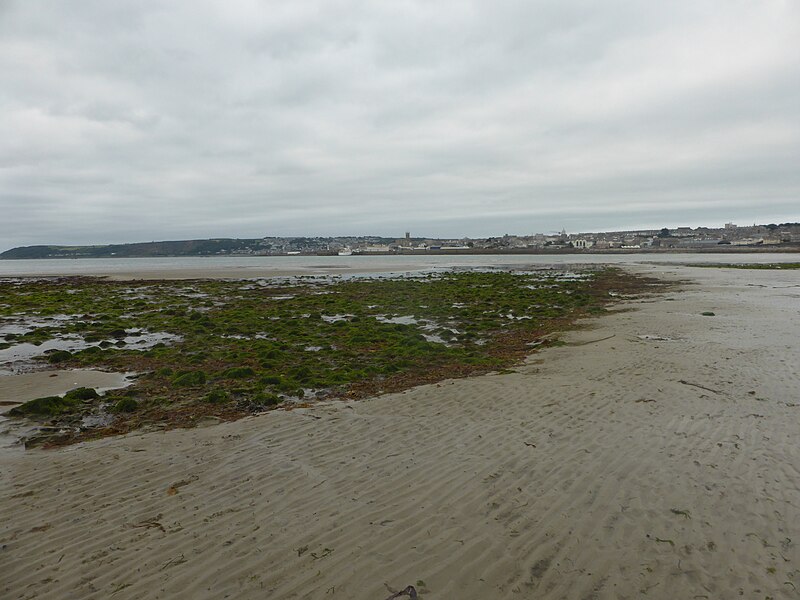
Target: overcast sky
138,120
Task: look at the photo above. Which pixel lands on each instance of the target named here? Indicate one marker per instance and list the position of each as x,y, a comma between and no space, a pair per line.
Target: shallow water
19,358
22,357
260,266
23,387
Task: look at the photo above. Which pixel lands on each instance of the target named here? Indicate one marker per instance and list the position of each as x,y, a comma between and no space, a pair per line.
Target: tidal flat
654,451
226,349
758,266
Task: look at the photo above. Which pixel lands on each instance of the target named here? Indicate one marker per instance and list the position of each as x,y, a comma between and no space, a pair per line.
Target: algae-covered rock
267,399
301,374
238,373
58,356
189,378
81,393
90,350
216,397
126,405
50,406
47,406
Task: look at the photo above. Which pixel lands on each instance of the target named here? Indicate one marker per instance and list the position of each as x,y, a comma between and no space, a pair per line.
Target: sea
266,266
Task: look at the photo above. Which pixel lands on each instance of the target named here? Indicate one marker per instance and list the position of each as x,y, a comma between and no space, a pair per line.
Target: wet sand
254,272
654,456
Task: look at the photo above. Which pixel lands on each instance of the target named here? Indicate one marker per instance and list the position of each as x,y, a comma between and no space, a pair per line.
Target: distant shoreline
722,249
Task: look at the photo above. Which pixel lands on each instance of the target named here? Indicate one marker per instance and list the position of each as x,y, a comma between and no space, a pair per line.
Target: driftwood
697,385
409,591
153,523
603,339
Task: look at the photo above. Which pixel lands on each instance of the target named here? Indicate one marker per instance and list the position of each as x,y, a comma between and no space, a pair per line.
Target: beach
654,454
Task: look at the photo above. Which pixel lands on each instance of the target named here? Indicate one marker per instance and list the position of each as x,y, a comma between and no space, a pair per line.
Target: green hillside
144,249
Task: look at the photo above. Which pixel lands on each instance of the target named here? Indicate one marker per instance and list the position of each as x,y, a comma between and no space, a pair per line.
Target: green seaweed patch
82,393
216,397
238,373
267,399
125,405
190,379
48,406
58,356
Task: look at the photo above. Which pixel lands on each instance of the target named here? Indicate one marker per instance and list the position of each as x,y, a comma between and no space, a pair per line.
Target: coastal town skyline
72,233
730,236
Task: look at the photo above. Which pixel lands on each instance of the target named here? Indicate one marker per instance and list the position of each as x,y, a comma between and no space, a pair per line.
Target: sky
140,120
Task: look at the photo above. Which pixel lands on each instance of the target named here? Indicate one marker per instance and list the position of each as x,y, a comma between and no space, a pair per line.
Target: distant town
730,237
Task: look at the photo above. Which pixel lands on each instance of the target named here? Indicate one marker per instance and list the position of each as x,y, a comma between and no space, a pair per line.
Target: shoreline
723,249
654,453
122,269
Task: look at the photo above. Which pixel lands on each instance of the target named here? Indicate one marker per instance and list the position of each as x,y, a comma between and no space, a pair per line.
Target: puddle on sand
16,389
139,339
431,328
657,338
20,325
404,320
20,358
434,338
336,318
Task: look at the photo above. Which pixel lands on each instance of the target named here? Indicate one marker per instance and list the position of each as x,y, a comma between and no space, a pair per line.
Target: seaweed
260,346
51,406
81,393
216,397
189,378
59,356
48,406
125,405
238,373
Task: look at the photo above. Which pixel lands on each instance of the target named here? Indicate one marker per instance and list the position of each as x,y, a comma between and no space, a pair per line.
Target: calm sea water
264,266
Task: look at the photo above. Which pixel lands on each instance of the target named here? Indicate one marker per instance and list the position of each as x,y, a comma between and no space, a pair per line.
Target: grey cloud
148,120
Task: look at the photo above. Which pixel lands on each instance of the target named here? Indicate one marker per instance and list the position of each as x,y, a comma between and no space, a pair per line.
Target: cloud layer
136,120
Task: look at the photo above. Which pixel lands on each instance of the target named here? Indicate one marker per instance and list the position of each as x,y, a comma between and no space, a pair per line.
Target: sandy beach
655,455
